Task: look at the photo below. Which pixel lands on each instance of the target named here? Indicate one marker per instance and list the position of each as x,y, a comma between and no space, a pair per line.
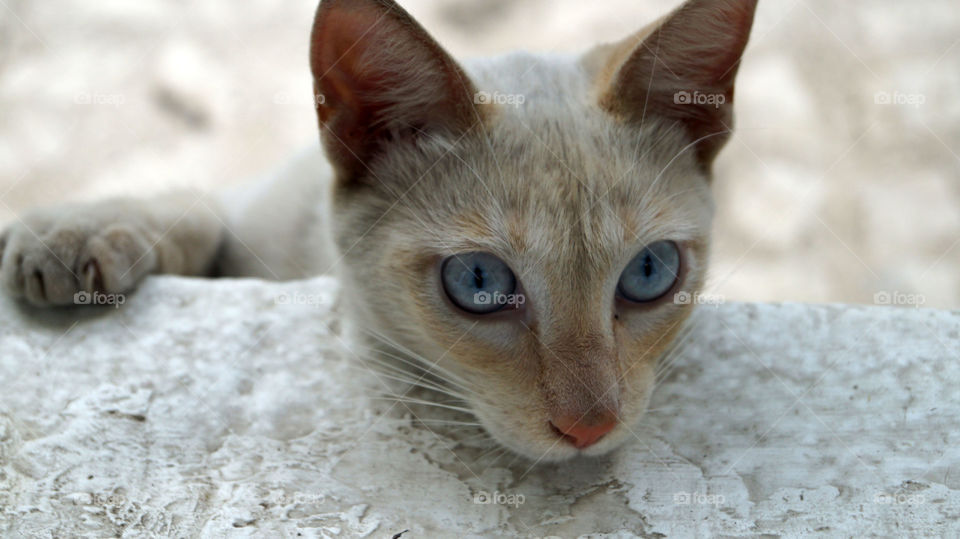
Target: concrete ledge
212,408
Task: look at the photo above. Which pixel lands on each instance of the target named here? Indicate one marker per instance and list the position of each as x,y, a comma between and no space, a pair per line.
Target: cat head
523,225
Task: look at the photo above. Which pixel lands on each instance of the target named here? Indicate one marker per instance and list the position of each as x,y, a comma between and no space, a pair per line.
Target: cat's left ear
379,78
681,70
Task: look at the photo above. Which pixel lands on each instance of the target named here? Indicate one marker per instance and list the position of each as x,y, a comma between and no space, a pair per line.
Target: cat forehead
548,167
540,122
542,185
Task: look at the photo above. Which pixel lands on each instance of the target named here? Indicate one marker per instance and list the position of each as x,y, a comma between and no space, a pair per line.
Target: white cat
519,225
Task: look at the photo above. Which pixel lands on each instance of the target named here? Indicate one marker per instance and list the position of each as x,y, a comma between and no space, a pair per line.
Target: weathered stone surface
231,407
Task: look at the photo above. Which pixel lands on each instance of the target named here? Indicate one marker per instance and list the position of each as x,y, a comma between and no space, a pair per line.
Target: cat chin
550,451
545,447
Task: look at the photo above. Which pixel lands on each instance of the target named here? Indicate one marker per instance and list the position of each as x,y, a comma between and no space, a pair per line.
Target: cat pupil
478,277
647,267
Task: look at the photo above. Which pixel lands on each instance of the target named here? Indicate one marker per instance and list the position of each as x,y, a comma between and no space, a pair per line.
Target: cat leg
276,226
273,229
49,255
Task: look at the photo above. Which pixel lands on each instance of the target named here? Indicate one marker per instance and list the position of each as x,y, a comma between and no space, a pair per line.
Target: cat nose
581,432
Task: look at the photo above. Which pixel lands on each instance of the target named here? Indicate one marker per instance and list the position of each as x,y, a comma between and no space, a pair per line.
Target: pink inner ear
344,40
372,57
703,41
694,54
381,74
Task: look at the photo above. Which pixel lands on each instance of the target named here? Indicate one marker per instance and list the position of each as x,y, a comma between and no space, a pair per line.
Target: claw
18,278
40,286
92,277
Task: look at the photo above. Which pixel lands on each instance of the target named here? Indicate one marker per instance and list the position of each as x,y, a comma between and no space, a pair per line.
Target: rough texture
231,407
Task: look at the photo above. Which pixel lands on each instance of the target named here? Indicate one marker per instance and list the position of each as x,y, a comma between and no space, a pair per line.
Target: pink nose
581,432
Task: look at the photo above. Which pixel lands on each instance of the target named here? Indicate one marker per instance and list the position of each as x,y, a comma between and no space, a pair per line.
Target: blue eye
651,274
478,283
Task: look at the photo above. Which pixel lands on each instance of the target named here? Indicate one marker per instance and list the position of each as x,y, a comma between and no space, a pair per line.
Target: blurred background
841,185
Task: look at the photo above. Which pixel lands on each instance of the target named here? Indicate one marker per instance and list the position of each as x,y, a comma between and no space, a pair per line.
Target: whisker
415,360
490,451
420,383
426,403
374,355
685,149
429,383
481,437
447,377
669,359
504,451
447,422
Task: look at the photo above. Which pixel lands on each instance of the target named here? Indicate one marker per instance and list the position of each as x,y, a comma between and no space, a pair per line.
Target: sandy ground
825,195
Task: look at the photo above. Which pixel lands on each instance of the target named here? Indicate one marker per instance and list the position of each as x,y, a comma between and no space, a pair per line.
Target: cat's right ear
379,78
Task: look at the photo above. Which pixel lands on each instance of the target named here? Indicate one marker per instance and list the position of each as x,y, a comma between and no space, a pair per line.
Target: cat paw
52,258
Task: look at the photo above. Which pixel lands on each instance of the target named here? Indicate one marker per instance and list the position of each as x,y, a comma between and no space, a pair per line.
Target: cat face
527,246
